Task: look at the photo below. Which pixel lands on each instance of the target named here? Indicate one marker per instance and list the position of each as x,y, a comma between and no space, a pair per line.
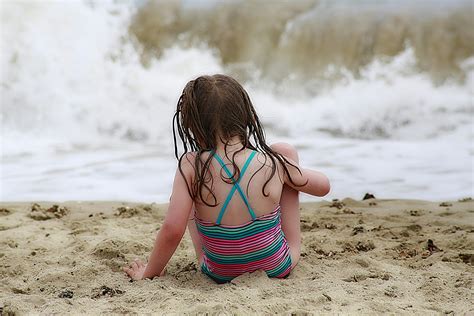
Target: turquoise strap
235,187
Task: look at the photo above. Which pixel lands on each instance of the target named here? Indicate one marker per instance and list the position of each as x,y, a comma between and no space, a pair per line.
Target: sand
358,257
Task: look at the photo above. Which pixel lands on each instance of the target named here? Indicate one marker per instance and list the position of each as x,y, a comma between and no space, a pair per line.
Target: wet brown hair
213,108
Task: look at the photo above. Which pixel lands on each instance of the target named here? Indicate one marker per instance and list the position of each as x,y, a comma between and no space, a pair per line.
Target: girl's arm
308,181
172,230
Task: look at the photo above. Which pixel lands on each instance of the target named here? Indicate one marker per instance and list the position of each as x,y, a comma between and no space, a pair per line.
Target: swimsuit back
231,250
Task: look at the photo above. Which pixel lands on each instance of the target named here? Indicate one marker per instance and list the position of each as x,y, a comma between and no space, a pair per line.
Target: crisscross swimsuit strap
235,187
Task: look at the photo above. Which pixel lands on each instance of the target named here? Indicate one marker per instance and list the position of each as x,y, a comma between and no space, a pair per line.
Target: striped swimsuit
231,250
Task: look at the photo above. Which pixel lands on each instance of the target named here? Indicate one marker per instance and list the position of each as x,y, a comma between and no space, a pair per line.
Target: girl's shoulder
190,157
187,162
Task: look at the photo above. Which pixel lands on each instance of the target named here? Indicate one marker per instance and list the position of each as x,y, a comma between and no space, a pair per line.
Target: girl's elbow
318,184
172,233
325,188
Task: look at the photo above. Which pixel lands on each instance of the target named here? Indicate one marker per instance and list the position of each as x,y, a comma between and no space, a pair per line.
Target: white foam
83,119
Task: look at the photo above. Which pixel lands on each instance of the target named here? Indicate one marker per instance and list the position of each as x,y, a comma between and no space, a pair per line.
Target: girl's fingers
134,266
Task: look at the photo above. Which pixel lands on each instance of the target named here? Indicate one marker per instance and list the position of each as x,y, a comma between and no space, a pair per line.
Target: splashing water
87,107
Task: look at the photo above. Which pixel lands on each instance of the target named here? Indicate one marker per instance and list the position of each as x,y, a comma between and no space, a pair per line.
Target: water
89,89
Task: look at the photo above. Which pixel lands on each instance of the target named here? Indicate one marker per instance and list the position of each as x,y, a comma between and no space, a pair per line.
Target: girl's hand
135,270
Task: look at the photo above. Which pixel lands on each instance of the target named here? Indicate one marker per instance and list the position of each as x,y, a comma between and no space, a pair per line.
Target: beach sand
362,257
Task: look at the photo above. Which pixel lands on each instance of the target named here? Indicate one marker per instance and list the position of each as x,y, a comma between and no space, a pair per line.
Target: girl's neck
233,144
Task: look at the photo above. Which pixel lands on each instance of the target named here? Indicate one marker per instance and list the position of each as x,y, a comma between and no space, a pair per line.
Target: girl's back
242,244
251,184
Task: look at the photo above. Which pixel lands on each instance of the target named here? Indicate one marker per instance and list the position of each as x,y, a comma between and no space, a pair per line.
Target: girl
237,195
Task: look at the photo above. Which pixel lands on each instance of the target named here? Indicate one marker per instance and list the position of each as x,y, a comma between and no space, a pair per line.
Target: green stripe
237,229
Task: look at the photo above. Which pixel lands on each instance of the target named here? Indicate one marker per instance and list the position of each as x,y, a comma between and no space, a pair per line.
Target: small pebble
368,196
445,204
66,293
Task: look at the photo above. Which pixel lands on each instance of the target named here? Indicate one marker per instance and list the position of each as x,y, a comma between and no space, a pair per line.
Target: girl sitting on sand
237,195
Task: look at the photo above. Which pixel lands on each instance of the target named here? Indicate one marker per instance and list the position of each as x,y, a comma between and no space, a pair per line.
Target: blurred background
376,94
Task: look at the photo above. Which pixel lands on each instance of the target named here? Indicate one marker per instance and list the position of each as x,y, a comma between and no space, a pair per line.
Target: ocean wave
305,39
61,83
